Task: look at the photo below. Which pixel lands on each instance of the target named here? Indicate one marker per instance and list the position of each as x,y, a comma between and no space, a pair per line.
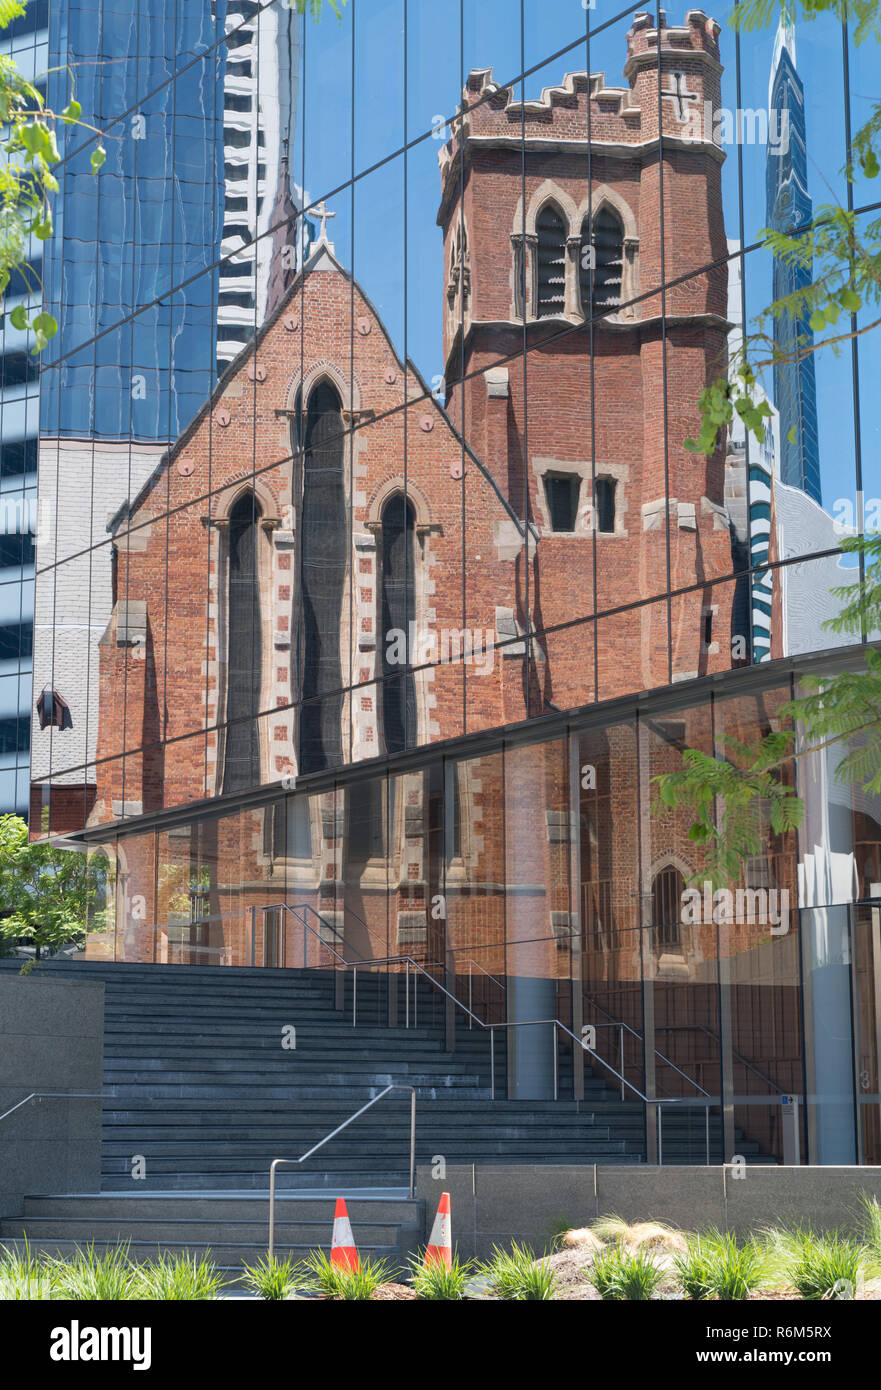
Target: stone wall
496,1205
51,1040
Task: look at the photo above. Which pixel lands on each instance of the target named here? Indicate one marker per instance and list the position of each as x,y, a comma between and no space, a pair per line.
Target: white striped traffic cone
440,1245
343,1252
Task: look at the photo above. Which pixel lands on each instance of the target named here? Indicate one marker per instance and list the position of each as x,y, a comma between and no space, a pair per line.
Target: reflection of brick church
323,500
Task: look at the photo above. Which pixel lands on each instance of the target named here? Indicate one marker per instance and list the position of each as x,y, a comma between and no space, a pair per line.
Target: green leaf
10,10
44,327
98,157
42,227
18,318
35,139
817,320
850,300
71,112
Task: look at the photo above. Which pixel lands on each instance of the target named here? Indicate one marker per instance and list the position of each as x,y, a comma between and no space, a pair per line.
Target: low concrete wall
51,1039
495,1205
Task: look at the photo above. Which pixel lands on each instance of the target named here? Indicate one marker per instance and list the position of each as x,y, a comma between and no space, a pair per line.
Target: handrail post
492,1063
470,1003
354,996
659,1111
253,933
272,1167
621,1055
554,1037
707,1113
412,1142
407,993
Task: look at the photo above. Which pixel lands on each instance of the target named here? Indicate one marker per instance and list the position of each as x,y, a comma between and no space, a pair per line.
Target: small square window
605,504
562,493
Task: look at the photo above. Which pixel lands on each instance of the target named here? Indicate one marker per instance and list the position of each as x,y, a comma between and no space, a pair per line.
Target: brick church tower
562,216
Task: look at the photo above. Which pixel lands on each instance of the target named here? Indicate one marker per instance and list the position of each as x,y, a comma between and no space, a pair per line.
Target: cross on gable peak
323,213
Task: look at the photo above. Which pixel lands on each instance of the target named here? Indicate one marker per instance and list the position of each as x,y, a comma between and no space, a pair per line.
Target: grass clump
830,1266
176,1277
714,1265
871,1223
103,1278
271,1278
516,1274
619,1273
695,1268
650,1235
436,1282
24,1276
320,1275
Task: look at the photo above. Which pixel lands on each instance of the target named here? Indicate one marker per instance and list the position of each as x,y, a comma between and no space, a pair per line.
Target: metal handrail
738,1056
488,1027
286,907
290,1162
503,988
619,1023
55,1095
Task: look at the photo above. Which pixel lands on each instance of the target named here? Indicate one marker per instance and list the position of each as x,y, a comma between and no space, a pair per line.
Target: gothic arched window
398,612
601,275
241,765
323,551
667,909
551,262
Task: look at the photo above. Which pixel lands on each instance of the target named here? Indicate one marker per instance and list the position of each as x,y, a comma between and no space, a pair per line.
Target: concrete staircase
231,1226
201,1096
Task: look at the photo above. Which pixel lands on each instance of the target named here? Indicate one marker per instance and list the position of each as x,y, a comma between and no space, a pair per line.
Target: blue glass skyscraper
789,207
153,219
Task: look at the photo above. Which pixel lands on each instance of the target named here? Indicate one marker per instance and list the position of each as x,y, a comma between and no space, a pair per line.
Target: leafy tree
843,257
48,896
732,799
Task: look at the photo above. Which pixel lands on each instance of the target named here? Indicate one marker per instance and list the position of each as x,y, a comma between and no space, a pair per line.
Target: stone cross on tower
677,94
320,210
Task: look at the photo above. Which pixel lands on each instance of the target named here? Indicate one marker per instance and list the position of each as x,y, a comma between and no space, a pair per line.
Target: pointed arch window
398,612
323,551
241,767
550,262
601,276
667,909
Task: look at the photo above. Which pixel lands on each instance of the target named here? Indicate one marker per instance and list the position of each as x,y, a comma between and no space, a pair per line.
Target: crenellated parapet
683,78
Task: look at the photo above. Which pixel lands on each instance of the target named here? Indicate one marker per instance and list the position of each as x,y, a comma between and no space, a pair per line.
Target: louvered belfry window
551,252
322,581
601,286
604,491
241,766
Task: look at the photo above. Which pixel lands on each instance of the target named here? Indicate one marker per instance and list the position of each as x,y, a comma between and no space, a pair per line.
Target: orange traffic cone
343,1252
440,1245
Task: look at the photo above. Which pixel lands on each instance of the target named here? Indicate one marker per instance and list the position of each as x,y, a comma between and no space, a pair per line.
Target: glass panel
610,965
681,951
761,973
539,935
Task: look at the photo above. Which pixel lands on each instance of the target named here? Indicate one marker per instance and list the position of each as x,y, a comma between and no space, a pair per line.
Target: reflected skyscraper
789,207
25,41
163,264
